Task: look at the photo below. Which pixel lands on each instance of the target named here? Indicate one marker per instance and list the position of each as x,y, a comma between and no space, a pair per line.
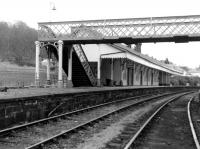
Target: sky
33,11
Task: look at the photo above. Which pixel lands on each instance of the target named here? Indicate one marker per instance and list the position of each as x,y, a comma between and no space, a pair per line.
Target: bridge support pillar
60,62
138,47
37,64
69,78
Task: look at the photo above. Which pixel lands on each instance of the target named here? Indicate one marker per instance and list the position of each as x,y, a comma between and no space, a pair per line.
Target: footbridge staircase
82,74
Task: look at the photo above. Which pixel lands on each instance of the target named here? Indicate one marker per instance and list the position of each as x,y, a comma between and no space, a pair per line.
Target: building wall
124,74
145,75
105,71
116,71
137,74
165,78
130,73
149,76
123,71
168,79
162,79
93,51
131,76
156,77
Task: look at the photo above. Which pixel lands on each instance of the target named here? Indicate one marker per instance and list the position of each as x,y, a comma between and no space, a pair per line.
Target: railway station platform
32,92
24,105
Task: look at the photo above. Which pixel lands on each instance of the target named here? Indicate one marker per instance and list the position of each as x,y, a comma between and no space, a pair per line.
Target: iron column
60,62
37,64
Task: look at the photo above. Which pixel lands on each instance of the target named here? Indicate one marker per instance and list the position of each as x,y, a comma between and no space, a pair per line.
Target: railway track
10,131
82,126
167,127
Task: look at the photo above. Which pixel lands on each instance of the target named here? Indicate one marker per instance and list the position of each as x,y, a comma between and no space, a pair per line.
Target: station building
121,65
105,65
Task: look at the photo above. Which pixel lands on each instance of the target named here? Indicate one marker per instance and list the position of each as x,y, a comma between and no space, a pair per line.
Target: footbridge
131,31
120,66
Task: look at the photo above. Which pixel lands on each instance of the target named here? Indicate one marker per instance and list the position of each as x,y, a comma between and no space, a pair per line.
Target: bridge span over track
133,30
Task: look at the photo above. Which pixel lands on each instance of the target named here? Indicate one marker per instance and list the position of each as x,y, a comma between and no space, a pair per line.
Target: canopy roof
126,52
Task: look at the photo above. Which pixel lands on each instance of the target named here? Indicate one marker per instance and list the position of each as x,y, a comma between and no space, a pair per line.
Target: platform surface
31,92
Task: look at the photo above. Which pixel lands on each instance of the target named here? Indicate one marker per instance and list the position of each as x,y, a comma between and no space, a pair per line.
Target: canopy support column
69,78
60,62
37,64
48,82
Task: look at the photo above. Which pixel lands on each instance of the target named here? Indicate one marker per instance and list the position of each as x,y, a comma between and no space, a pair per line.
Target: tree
185,68
198,68
183,80
17,43
166,61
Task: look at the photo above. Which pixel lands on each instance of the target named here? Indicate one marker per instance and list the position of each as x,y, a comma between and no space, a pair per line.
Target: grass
13,75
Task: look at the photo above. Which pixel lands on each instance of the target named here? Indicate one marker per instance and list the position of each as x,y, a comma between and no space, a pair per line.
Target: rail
192,125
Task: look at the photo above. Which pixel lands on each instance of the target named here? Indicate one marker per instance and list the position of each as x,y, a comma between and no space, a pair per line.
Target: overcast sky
33,11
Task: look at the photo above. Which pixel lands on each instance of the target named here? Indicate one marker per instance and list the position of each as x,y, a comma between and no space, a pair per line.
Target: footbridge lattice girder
137,29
